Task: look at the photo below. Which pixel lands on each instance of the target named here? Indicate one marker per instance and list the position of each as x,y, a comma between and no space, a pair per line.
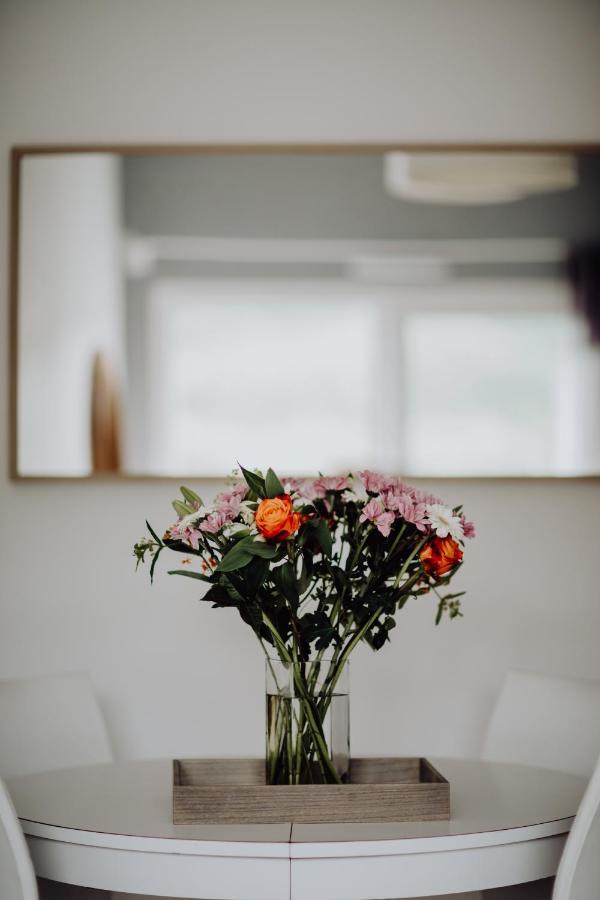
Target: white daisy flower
443,521
247,510
190,520
356,493
235,528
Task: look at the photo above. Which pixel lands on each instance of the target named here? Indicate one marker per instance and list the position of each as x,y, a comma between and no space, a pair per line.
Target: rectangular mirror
425,313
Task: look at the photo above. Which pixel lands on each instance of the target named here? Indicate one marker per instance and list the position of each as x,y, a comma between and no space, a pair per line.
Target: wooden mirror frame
20,151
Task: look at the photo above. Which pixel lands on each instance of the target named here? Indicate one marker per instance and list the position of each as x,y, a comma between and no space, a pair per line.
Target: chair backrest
50,722
546,721
17,878
578,876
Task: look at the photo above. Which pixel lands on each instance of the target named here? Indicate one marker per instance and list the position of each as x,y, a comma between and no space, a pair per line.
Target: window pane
483,392
260,376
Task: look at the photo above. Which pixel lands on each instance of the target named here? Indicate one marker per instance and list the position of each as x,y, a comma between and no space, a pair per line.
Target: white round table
109,827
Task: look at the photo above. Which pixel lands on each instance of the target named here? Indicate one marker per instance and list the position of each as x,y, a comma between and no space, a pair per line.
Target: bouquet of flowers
314,566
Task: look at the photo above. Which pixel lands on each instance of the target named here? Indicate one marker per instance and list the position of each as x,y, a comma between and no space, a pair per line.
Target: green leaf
273,486
153,564
454,596
255,574
249,544
377,638
306,571
251,614
180,508
285,580
218,595
338,575
323,535
326,638
190,574
262,549
316,627
255,482
153,533
190,496
231,589
236,558
179,547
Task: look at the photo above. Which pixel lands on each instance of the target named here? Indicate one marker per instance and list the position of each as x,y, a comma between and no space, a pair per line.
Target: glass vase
308,721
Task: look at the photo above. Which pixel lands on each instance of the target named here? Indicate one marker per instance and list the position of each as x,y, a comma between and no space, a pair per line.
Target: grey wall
290,196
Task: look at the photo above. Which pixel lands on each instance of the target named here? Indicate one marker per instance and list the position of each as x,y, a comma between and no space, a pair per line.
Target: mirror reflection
430,314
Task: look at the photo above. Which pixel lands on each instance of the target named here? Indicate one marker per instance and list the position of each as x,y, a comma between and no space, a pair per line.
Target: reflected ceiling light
476,178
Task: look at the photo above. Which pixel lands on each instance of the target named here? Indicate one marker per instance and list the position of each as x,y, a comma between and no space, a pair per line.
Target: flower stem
310,707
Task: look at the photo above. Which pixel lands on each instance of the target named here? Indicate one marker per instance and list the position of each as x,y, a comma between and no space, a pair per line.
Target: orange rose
275,518
440,556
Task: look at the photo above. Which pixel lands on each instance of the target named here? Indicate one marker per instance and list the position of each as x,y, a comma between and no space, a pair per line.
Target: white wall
175,676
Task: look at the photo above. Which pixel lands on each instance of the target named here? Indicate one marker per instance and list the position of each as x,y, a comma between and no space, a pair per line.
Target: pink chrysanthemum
186,533
374,512
468,528
375,482
323,484
215,521
237,493
404,505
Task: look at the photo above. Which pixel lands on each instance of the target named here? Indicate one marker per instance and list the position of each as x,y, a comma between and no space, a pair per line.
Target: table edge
297,850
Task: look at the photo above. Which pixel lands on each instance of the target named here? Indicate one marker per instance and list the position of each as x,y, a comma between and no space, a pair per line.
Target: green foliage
191,498
181,508
153,533
242,552
234,559
255,482
188,573
273,486
449,604
142,548
334,582
284,578
218,595
322,535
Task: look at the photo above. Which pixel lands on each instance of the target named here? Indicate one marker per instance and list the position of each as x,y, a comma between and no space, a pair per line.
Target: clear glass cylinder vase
308,721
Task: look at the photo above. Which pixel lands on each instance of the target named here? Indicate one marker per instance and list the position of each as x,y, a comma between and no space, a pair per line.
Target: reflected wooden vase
105,417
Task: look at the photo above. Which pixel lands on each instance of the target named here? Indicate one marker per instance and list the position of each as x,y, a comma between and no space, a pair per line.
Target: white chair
547,721
50,722
17,878
578,876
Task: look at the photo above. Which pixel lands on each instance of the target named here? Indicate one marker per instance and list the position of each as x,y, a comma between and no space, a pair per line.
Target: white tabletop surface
110,827
133,800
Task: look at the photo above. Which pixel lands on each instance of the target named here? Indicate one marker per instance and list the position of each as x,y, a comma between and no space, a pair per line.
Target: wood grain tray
381,789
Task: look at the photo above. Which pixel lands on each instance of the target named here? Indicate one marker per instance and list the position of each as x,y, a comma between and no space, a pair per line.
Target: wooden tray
381,789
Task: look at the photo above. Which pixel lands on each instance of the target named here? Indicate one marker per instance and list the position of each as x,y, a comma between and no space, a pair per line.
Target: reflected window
329,377
485,392
285,374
